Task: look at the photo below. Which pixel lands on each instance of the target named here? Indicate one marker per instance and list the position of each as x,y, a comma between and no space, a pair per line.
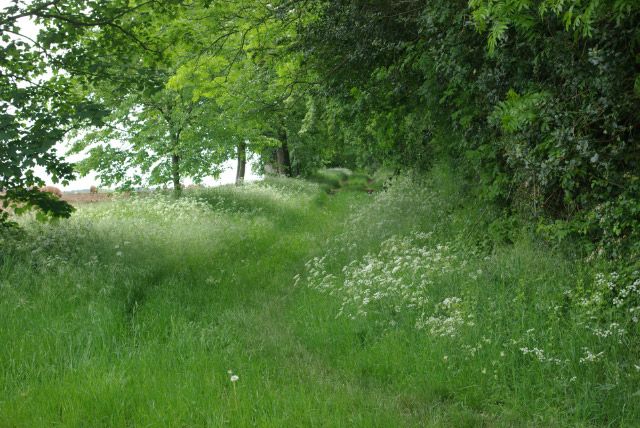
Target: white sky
29,29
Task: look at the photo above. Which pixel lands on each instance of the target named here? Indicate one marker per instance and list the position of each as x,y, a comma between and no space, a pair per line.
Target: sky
30,29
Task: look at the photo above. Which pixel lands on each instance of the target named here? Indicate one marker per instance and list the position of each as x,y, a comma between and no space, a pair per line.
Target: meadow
281,303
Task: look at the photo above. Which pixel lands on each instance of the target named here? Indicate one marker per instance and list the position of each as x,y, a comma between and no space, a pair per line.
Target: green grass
332,180
132,312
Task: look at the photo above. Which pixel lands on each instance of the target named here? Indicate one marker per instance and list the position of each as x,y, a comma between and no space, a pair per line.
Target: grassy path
146,338
134,312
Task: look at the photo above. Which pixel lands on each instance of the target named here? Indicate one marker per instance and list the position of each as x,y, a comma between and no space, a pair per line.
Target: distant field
79,198
84,197
288,303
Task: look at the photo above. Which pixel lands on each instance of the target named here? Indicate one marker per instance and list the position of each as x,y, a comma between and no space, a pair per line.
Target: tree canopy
40,81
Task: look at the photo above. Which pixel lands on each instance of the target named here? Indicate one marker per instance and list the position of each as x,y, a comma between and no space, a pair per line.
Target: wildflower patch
393,283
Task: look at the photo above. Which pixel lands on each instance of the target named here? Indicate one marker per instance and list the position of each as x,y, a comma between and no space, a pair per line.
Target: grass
333,180
132,313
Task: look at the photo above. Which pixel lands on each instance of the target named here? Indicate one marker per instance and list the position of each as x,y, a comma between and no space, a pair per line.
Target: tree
153,139
241,55
40,101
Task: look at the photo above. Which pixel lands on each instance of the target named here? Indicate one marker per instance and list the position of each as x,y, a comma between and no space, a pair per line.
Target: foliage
543,112
40,99
241,58
153,139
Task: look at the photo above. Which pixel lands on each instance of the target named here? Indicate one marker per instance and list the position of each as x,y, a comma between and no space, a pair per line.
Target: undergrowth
502,313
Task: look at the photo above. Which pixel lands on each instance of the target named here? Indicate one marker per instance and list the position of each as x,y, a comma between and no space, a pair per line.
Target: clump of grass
335,179
359,181
330,179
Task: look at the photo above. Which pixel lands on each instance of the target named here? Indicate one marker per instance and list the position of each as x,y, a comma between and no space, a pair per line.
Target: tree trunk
242,162
283,159
175,173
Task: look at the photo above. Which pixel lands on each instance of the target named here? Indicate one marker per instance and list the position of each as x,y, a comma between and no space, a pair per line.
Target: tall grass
401,307
502,321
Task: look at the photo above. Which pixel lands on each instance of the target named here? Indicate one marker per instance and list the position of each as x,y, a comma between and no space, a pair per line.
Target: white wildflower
590,357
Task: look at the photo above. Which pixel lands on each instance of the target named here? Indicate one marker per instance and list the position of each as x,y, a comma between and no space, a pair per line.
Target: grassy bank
350,309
